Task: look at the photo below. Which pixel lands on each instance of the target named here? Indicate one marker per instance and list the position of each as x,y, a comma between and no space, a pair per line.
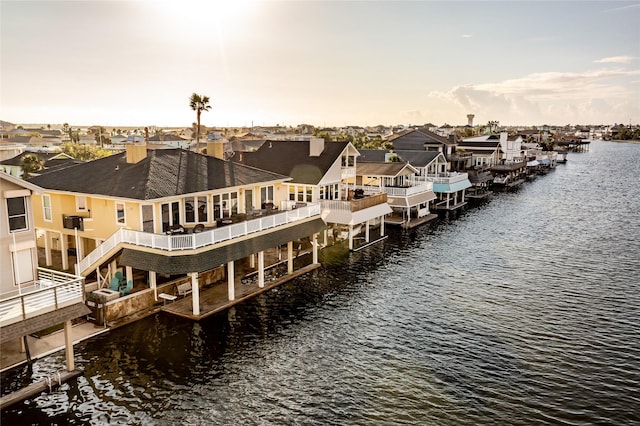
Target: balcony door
170,214
147,219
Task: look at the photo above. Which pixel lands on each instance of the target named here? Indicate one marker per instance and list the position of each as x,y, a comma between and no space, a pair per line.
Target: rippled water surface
524,310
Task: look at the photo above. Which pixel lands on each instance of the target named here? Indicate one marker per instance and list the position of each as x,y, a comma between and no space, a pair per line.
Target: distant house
424,140
52,161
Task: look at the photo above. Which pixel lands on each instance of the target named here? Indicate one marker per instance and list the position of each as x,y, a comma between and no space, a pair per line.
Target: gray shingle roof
416,139
291,158
163,173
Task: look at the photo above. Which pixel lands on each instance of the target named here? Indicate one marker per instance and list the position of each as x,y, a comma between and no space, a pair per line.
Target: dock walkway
215,299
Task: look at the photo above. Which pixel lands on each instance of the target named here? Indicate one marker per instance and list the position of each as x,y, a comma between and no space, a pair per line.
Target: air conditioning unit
73,222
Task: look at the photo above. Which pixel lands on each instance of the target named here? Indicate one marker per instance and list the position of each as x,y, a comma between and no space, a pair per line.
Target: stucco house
147,217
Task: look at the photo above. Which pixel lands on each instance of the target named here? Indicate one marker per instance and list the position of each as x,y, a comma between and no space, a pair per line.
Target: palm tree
198,104
31,163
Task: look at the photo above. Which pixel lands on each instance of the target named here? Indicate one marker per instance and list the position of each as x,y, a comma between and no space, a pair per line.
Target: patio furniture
184,289
126,288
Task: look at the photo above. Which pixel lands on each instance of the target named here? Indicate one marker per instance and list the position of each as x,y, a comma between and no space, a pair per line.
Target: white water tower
470,119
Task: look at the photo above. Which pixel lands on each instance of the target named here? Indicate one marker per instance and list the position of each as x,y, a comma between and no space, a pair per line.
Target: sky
325,63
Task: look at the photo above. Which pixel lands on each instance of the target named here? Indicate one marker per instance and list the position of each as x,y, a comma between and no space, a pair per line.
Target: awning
218,254
414,200
347,217
450,188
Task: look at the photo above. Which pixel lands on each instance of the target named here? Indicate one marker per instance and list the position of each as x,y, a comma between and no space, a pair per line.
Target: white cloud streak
615,60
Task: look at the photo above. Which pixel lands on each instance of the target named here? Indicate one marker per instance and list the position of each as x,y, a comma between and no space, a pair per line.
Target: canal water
523,310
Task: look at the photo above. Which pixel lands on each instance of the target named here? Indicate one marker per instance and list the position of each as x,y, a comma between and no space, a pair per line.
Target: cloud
466,36
615,60
549,97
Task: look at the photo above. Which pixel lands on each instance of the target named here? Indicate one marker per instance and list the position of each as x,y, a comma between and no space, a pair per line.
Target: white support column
261,269
129,273
381,226
314,244
195,293
47,248
68,346
231,278
448,197
63,251
350,237
290,257
252,261
366,232
153,284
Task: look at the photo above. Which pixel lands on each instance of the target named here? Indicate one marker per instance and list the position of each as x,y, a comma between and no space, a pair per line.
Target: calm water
525,310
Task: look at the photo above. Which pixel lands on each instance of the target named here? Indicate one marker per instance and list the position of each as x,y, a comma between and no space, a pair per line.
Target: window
17,210
46,207
195,209
266,194
225,205
120,214
81,203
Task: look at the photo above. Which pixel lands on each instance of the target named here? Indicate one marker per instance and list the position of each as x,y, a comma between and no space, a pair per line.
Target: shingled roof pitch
291,158
163,173
416,139
417,158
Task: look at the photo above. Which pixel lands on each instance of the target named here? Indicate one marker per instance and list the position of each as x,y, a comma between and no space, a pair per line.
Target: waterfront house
408,196
323,172
31,298
138,221
432,166
502,154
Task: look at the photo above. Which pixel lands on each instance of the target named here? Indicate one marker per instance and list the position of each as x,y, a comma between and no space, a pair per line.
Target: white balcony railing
53,290
348,172
196,240
418,187
444,178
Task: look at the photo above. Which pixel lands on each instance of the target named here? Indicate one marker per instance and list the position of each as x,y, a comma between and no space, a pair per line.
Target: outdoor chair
126,288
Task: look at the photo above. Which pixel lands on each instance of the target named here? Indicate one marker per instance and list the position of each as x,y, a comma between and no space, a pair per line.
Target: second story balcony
414,188
197,239
52,290
446,177
355,211
348,172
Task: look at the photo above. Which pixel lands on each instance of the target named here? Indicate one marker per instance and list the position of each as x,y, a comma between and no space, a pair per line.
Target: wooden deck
214,299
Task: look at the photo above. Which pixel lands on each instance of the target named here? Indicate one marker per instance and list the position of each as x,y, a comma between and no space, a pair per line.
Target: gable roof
384,169
416,140
46,156
415,158
291,158
418,158
163,173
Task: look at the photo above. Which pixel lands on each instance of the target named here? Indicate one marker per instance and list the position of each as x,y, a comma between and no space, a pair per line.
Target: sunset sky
136,63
